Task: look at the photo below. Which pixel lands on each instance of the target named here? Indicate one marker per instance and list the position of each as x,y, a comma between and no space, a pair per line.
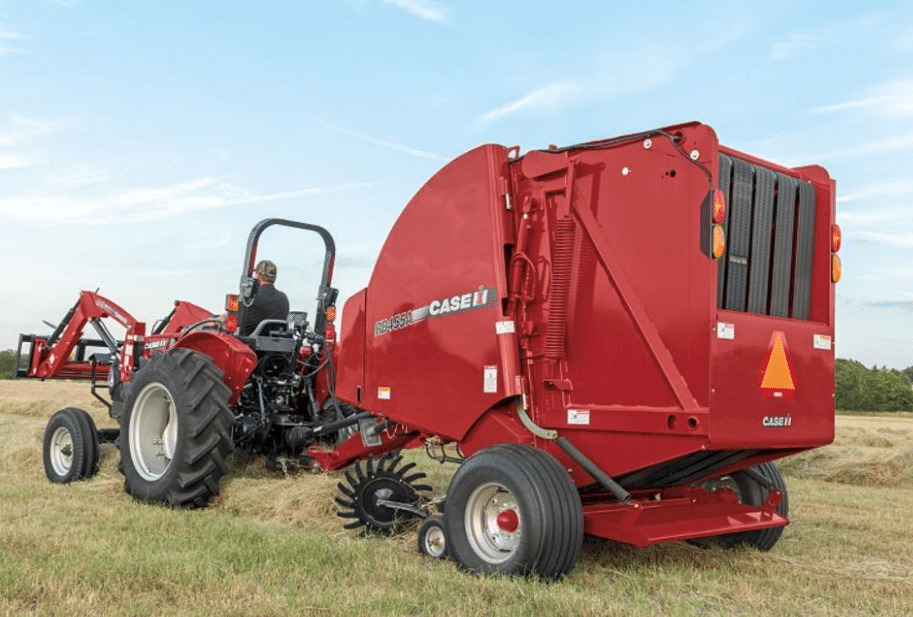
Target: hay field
271,544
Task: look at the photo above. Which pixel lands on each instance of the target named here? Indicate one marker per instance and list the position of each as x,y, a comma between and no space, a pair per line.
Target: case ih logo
777,421
480,298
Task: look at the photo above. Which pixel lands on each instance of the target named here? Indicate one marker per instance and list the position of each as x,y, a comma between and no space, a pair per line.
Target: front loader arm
53,357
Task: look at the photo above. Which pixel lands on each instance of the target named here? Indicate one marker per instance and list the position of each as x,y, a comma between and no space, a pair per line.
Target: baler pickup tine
416,476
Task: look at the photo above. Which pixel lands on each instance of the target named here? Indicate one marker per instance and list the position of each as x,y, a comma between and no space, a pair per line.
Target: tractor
615,338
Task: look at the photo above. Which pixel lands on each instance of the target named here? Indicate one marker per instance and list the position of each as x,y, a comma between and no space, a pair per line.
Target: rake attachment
380,495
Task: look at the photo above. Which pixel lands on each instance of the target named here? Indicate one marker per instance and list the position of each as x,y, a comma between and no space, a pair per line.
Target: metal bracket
398,505
531,426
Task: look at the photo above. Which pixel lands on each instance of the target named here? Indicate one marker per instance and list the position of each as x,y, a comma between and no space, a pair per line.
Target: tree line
7,364
873,389
858,388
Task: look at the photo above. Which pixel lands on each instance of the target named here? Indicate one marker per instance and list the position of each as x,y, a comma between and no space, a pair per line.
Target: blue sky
139,142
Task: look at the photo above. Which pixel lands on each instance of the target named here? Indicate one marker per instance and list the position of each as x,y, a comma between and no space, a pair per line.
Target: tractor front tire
176,430
513,509
70,446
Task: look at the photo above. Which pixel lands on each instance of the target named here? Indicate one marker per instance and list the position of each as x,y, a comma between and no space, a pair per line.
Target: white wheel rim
488,538
61,451
153,432
434,541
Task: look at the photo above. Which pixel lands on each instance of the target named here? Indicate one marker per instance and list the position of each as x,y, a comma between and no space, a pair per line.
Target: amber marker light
231,303
719,241
719,206
331,313
835,268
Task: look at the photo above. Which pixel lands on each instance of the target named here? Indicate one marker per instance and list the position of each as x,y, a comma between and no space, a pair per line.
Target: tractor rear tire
70,448
513,509
752,493
176,430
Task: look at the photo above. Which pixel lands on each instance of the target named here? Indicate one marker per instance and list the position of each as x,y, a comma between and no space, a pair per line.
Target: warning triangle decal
777,378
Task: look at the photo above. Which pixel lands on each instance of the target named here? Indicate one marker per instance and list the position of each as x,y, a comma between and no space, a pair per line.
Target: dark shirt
269,303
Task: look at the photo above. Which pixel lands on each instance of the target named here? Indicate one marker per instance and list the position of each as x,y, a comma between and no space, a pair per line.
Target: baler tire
70,446
175,433
752,493
432,537
519,486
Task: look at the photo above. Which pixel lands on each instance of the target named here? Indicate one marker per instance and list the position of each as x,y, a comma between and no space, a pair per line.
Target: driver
269,302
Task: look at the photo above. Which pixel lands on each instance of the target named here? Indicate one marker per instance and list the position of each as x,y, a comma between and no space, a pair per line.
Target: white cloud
891,99
144,204
19,129
6,37
547,97
886,189
6,51
901,240
901,142
390,145
424,9
873,217
12,161
795,44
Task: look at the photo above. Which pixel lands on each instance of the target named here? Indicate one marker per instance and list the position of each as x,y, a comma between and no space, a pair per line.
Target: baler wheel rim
486,536
432,537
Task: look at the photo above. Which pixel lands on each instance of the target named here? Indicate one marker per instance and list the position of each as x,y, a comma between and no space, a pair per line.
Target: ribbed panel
562,264
770,234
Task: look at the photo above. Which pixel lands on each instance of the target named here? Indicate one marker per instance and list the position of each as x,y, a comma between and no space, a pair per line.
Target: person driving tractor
268,303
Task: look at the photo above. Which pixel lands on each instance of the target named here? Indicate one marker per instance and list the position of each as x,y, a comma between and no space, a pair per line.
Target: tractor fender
235,358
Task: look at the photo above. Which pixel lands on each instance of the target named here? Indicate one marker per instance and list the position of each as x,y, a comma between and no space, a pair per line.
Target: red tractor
615,338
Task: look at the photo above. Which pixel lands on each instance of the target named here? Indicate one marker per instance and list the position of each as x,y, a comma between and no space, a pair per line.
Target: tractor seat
272,327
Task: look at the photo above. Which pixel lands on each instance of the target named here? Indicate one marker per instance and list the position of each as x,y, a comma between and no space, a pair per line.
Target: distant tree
875,389
7,364
851,383
907,373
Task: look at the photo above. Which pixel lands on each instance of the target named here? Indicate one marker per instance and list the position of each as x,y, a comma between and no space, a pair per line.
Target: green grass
272,545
